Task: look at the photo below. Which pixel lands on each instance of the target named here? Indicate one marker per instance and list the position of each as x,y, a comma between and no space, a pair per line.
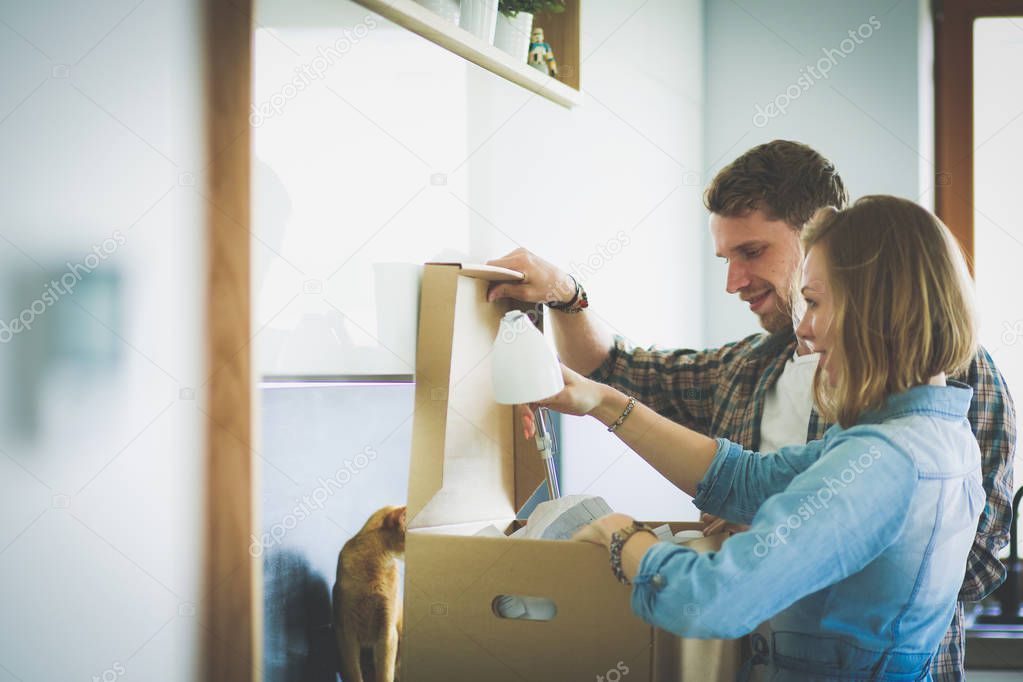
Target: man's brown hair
786,180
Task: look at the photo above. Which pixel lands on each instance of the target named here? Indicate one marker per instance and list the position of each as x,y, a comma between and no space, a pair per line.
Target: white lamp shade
523,366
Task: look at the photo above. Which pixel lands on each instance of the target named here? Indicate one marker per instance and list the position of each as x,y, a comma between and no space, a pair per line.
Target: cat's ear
396,518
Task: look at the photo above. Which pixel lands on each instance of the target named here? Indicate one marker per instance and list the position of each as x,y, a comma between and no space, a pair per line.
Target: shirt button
657,581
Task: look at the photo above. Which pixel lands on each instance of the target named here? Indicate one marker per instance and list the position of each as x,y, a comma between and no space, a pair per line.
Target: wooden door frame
231,613
231,610
953,125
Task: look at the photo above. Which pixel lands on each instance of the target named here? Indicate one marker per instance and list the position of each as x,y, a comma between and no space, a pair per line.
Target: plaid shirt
721,392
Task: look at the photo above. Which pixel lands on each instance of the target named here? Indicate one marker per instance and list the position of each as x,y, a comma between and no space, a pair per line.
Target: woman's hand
712,524
599,532
579,397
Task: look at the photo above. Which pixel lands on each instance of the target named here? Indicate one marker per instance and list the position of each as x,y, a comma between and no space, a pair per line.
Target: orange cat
367,611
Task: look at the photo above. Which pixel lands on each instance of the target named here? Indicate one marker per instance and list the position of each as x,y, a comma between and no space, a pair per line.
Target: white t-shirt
785,421
788,403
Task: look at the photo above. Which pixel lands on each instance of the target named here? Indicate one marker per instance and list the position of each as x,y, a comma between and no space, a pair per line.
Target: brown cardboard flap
463,463
488,272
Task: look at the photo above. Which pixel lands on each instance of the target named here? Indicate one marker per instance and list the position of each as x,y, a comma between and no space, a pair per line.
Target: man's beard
778,317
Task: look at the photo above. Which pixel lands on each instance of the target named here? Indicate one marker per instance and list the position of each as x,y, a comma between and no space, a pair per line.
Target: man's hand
543,282
583,341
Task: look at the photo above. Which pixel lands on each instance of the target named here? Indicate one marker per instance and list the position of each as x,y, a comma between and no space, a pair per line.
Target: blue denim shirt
857,546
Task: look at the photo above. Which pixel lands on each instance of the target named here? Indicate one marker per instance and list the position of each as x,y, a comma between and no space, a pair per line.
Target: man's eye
754,253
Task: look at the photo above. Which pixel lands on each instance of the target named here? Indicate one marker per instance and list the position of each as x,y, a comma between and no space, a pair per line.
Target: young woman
858,542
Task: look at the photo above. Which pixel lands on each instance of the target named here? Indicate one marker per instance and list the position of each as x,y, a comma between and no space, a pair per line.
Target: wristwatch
580,301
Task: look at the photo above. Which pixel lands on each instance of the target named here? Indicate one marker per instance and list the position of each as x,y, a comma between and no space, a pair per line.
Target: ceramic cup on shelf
448,9
512,35
479,17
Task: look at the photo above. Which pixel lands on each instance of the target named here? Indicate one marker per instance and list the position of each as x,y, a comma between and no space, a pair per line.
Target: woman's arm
739,481
680,454
599,533
816,532
827,525
676,383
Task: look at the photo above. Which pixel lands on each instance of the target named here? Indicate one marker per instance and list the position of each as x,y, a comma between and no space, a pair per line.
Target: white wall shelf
436,29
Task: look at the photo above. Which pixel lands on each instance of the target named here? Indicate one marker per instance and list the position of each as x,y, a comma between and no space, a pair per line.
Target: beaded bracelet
618,540
628,410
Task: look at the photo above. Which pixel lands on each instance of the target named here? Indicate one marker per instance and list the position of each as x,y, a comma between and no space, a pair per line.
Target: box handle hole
522,607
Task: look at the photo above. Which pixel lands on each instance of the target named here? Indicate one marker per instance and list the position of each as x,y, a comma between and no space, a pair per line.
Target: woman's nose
804,330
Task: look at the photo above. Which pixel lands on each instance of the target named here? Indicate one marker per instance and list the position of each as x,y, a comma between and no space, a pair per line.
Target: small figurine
541,56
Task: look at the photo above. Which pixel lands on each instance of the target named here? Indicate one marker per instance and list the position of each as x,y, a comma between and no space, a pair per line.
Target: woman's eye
810,304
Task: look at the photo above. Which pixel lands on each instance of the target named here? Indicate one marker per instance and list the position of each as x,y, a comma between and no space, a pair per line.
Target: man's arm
993,419
583,341
677,384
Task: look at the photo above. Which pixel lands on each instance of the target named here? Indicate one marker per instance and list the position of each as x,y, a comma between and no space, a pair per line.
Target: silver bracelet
628,410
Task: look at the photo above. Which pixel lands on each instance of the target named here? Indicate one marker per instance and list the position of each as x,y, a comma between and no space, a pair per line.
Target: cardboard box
471,467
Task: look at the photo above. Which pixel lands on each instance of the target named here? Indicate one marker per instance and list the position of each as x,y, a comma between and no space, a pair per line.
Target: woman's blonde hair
903,302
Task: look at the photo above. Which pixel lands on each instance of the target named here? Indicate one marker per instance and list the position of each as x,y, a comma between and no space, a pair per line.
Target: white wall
402,151
565,184
646,84
101,485
871,116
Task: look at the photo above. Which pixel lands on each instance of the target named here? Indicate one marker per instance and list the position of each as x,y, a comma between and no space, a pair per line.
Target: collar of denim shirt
951,401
